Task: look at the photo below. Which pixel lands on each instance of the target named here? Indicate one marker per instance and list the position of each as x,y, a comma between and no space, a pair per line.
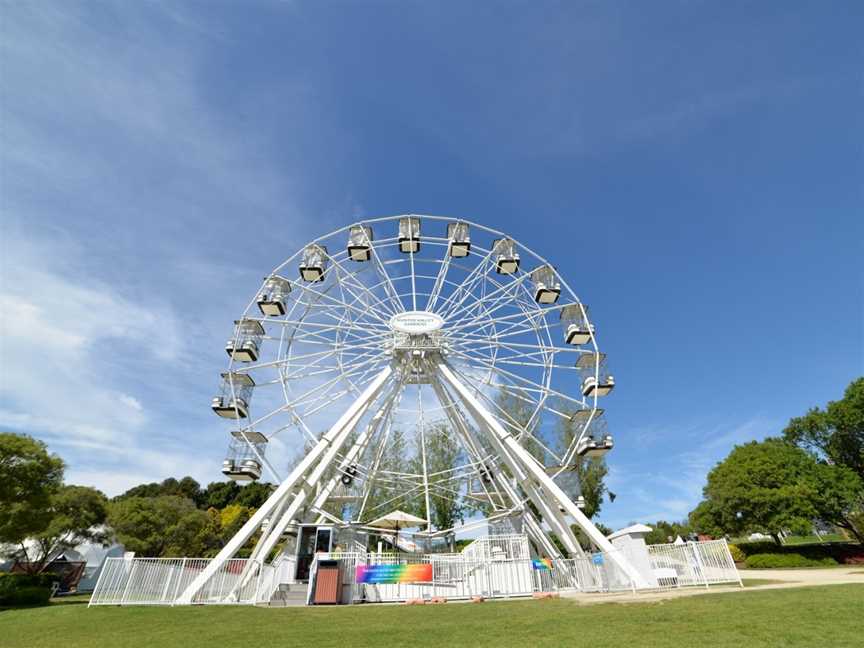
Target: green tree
442,454
515,410
388,493
663,532
835,433
772,486
185,487
218,495
254,494
29,478
77,515
840,498
588,474
168,525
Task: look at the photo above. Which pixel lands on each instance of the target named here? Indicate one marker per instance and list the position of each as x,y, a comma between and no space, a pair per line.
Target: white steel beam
275,500
525,467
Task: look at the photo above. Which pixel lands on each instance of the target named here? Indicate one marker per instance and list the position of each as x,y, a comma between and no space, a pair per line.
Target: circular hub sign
416,322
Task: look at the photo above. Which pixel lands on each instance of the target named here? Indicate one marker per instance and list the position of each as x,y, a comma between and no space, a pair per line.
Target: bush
785,560
737,554
25,589
848,553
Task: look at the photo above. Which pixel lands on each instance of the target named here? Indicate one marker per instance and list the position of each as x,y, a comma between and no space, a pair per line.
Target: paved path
789,578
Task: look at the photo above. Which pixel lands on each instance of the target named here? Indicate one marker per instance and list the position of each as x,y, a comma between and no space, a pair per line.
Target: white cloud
121,178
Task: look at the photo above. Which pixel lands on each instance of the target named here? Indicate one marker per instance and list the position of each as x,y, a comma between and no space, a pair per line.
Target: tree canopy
771,486
77,515
835,433
167,525
29,478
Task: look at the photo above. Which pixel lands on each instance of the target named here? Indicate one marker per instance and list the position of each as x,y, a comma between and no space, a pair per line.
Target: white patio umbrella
397,520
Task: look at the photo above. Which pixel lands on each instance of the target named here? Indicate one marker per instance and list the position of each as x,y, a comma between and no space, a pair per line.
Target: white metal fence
693,563
160,581
498,567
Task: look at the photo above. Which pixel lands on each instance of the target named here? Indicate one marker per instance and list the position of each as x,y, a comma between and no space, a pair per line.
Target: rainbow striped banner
543,564
391,574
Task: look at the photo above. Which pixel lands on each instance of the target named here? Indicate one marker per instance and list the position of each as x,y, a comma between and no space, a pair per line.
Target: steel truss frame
331,348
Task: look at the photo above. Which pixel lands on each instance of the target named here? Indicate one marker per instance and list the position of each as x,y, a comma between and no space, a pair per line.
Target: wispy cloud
122,182
668,484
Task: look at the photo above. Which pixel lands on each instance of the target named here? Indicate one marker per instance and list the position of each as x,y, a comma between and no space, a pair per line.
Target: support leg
526,468
323,447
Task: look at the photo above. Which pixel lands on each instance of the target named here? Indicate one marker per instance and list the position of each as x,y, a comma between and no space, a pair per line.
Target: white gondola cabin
360,243
409,234
314,263
547,288
233,402
273,297
594,446
574,320
506,256
243,460
596,378
247,337
459,240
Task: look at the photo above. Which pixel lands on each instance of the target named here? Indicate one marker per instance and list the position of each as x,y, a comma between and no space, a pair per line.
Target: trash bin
328,583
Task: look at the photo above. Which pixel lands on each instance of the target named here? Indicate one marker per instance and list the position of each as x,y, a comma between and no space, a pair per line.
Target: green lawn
823,616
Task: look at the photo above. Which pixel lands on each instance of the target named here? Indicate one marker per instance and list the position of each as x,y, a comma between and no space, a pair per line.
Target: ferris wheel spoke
502,288
467,285
440,280
392,294
348,279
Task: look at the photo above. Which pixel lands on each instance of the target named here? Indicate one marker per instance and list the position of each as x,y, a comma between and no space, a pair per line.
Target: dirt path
789,578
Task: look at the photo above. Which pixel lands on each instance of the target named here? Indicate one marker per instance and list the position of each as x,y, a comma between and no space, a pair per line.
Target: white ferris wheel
389,330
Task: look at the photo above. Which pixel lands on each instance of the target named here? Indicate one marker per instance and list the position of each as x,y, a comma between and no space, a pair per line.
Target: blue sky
694,170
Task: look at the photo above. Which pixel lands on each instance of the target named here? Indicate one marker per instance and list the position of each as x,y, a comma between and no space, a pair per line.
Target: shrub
843,552
25,589
737,554
785,560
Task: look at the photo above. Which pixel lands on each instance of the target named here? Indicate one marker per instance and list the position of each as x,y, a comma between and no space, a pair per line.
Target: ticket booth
311,539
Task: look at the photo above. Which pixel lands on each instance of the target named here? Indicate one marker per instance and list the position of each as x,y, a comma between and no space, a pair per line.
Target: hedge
785,560
848,553
25,589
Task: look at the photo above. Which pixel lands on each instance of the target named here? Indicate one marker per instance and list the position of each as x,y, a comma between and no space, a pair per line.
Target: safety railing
160,581
498,547
693,563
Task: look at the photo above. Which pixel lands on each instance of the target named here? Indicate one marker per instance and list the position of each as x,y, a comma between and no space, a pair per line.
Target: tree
835,433
772,486
663,532
254,494
164,526
77,515
185,487
29,478
515,411
442,454
840,498
386,494
218,495
589,474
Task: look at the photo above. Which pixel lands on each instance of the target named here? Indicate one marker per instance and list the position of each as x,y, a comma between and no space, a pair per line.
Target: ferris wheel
390,331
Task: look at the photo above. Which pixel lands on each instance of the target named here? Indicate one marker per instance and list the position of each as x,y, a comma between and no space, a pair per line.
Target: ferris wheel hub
416,322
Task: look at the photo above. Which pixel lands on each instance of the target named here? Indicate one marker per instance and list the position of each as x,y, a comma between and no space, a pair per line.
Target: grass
825,616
